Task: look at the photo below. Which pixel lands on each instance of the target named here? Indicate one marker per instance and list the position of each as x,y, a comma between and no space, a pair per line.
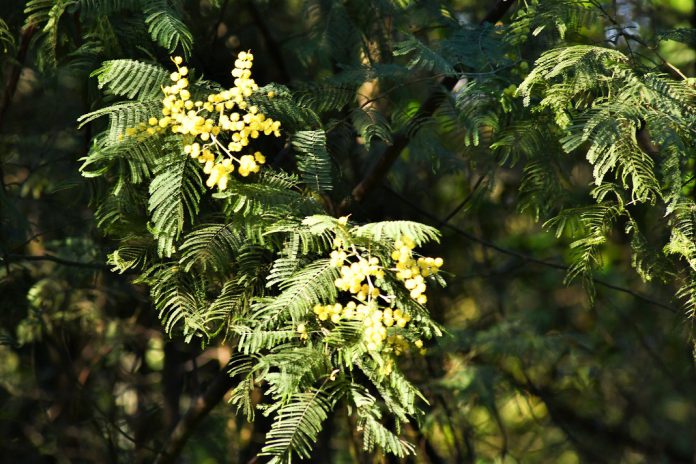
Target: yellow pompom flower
217,127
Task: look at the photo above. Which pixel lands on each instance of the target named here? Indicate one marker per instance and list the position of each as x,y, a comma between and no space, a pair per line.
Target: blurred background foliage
532,370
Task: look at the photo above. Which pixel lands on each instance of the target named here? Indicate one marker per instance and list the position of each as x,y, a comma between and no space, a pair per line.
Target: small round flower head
218,128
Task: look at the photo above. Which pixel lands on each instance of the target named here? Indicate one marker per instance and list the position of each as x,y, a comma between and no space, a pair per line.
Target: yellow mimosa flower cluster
356,277
218,129
375,320
411,271
143,130
362,276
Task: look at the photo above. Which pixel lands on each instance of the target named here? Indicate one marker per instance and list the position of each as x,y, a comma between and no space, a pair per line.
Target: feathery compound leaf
477,108
7,41
123,116
313,159
139,153
273,190
46,14
281,270
683,239
166,28
174,196
179,298
211,246
371,124
134,253
394,230
106,7
539,15
322,97
377,435
297,425
423,57
683,35
305,237
131,79
253,341
242,366
291,370
311,285
583,62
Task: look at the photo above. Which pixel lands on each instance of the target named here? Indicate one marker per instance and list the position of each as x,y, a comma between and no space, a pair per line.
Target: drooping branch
15,71
199,409
12,258
272,46
375,175
12,81
441,224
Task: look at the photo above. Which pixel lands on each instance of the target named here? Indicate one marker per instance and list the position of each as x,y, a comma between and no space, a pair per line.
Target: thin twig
272,46
12,81
13,257
464,202
401,140
199,409
524,257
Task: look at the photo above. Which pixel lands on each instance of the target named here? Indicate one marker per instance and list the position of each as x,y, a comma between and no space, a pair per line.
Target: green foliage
391,112
257,266
297,426
166,28
161,18
313,159
118,77
174,195
623,119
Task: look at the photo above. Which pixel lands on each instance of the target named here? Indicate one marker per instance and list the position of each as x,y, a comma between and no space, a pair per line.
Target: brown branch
216,28
466,200
523,257
199,409
381,168
272,46
11,258
568,417
13,79
496,13
15,71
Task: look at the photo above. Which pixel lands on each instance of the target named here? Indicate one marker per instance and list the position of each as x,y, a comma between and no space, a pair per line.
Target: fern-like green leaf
297,425
310,285
395,230
175,193
313,159
167,28
131,79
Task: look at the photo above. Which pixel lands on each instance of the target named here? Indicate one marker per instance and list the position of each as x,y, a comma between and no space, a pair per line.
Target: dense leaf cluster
383,101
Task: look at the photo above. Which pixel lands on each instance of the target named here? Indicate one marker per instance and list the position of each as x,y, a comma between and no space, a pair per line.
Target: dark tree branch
199,409
216,28
272,45
526,258
496,13
466,200
15,71
381,168
11,258
568,417
12,81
